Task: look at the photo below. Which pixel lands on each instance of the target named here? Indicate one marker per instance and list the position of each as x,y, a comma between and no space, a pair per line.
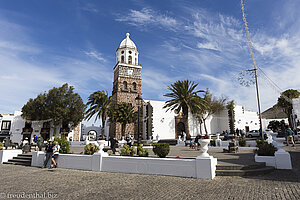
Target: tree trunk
188,136
123,129
103,124
200,128
206,132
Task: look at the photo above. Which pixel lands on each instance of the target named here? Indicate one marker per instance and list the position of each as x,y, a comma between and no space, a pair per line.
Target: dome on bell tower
127,42
127,52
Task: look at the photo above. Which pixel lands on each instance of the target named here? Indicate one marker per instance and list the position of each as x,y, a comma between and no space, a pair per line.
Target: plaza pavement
77,184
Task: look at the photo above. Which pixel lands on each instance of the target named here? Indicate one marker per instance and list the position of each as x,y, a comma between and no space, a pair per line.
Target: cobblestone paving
76,184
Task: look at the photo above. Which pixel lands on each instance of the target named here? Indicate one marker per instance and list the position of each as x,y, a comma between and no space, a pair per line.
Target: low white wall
281,160
5,155
269,160
250,143
70,161
201,167
160,166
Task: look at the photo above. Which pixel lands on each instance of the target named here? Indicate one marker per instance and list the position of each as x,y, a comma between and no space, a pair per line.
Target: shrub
63,143
213,143
1,146
266,149
259,142
110,152
90,149
161,149
242,142
142,152
127,151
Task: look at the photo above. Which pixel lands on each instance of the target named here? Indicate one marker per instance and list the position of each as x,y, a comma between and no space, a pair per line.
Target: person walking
128,139
113,145
242,133
289,136
196,142
49,152
56,149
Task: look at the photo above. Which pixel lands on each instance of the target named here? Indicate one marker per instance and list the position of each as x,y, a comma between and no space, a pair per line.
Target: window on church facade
134,86
125,85
122,59
135,61
6,125
129,59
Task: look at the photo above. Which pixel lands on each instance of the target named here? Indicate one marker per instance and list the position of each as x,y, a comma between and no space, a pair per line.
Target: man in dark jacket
113,144
49,152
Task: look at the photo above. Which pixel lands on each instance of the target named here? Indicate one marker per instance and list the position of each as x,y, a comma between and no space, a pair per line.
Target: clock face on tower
130,72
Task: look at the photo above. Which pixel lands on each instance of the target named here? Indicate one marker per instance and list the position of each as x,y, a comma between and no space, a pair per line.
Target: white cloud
208,45
89,8
96,55
147,16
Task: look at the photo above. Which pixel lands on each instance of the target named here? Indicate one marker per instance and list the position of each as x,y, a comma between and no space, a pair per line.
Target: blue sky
44,44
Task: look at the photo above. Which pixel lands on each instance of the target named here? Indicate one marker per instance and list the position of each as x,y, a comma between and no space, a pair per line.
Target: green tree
123,113
230,107
274,125
285,102
35,109
212,106
184,97
98,103
61,105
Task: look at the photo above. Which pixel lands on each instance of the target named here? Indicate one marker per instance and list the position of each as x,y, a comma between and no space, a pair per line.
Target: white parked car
254,133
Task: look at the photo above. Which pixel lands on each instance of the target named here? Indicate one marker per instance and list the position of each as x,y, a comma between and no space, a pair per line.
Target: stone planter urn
204,147
279,144
101,145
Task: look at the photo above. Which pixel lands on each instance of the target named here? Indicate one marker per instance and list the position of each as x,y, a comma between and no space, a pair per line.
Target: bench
232,147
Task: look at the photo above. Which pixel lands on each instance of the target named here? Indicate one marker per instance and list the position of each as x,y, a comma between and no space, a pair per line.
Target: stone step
17,163
25,155
240,167
245,172
22,158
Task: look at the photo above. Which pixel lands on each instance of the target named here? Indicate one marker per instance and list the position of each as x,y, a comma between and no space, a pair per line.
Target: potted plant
90,149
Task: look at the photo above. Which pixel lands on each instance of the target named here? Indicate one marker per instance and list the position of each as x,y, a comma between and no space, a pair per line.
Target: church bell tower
127,81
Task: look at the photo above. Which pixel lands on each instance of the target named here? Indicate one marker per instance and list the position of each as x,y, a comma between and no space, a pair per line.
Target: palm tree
230,106
123,113
184,98
98,103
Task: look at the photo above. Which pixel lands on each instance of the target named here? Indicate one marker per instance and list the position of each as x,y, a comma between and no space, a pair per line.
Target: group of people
52,152
238,133
196,143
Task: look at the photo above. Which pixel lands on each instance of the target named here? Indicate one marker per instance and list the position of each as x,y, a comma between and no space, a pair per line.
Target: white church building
164,122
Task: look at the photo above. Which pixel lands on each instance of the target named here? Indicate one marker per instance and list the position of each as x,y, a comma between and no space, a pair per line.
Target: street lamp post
138,100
